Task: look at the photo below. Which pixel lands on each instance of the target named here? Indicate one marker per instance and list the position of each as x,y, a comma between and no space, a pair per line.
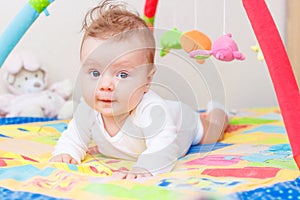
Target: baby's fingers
131,175
143,175
57,158
73,161
119,175
65,158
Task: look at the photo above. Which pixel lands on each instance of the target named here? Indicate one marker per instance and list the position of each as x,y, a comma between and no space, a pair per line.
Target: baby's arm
162,149
160,156
160,136
72,145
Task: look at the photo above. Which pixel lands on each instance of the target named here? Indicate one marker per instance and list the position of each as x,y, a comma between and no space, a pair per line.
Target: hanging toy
170,40
195,40
224,49
188,41
257,49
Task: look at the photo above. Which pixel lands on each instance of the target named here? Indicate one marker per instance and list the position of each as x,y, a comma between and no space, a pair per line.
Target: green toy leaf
170,40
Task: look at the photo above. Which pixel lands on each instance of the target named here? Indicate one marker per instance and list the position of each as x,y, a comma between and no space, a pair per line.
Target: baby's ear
150,77
151,72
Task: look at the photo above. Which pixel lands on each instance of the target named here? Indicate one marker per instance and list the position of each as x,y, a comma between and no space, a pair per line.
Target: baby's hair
112,19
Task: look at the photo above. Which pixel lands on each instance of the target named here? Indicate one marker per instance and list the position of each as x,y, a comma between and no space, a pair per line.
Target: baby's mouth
106,100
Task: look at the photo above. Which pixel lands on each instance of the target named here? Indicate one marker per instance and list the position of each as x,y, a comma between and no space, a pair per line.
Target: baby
119,112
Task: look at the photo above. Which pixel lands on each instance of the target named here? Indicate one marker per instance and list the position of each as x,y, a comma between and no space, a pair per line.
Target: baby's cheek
87,85
88,91
135,97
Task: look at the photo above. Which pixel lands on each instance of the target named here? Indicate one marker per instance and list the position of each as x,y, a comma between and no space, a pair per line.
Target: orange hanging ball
195,40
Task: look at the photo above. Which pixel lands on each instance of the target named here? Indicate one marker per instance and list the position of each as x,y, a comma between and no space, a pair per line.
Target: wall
292,36
56,41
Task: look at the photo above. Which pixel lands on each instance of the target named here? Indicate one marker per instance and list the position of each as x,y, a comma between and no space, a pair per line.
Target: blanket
254,159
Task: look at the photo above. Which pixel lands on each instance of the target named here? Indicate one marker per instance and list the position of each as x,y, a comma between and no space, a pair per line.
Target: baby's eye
95,73
122,75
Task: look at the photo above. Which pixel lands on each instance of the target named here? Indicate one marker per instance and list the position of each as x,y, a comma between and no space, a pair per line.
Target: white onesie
155,134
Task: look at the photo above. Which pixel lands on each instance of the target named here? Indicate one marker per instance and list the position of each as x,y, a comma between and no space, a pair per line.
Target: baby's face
113,81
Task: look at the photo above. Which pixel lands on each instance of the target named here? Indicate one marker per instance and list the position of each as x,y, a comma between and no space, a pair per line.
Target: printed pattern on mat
254,155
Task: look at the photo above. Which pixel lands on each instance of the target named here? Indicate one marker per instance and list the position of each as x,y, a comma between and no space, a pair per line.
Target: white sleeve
161,141
73,141
76,138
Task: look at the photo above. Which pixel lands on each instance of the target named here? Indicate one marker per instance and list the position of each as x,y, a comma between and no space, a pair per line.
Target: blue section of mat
7,194
23,120
283,190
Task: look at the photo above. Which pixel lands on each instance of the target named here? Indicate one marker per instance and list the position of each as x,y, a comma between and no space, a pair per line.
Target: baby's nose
106,84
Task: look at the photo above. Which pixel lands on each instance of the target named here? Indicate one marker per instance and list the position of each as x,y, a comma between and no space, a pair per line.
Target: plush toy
199,46
188,41
224,49
43,104
24,74
170,40
195,40
256,48
26,80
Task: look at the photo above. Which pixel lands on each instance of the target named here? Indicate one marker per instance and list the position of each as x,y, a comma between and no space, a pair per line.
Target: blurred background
56,41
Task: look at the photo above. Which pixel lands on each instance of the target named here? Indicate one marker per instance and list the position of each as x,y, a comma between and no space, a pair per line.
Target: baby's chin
105,112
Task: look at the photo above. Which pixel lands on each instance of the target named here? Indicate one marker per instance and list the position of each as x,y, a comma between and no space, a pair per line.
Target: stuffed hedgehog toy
24,74
26,80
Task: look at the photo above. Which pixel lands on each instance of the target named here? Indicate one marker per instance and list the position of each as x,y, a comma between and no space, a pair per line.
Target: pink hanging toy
224,48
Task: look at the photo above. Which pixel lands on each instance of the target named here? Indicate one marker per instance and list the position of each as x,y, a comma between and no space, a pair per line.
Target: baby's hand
135,173
65,158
